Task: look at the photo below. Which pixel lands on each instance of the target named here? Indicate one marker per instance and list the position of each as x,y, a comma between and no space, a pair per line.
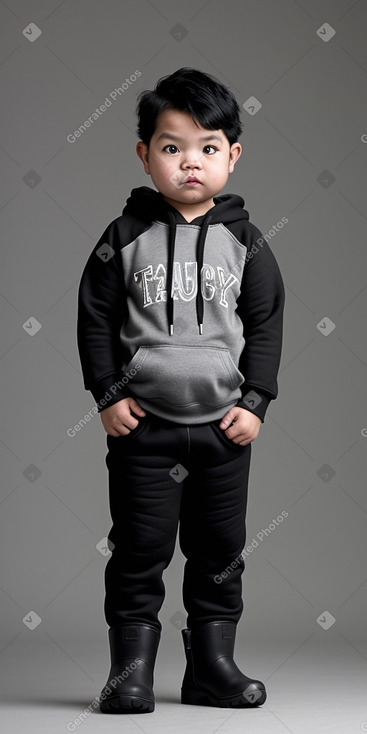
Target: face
179,149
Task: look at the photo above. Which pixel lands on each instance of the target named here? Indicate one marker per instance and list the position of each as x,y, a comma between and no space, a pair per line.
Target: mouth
191,181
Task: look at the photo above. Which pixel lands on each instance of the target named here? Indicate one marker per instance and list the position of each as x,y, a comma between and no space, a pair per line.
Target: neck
190,211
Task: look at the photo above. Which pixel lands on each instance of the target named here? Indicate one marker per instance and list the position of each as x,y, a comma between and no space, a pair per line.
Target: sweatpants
161,476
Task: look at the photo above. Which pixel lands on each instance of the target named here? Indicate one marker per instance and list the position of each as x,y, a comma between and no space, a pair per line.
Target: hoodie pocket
184,376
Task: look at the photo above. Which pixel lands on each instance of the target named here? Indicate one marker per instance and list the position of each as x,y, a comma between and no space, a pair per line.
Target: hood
148,205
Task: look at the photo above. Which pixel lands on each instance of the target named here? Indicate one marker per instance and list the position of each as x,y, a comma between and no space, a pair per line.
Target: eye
170,145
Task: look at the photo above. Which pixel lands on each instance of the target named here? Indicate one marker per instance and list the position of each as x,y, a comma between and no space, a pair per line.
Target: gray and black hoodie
186,317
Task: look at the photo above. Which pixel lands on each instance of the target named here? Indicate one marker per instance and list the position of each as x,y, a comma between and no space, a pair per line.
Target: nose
192,163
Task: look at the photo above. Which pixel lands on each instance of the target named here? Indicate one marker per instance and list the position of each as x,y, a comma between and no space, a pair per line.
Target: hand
117,419
246,426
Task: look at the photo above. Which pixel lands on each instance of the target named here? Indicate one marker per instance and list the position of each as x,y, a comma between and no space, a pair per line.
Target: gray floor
46,686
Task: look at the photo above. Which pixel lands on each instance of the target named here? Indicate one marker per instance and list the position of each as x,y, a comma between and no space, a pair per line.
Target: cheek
164,166
171,164
221,173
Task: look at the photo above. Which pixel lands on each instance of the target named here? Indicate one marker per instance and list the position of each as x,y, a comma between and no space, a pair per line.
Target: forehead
182,126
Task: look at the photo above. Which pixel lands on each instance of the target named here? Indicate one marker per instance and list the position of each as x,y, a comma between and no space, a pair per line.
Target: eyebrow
179,140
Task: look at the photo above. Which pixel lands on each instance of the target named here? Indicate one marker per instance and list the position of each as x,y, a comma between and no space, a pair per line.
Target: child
180,317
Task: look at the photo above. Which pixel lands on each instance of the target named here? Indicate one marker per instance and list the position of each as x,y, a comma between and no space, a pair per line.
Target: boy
179,335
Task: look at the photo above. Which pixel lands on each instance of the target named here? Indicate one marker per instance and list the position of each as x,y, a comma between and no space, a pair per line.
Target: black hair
207,101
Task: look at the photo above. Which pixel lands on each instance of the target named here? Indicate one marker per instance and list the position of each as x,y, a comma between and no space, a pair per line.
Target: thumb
136,408
228,418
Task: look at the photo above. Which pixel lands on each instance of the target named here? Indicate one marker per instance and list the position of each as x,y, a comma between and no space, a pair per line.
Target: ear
142,152
234,154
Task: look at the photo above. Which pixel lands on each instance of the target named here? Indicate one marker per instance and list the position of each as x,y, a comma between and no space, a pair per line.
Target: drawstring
171,255
199,257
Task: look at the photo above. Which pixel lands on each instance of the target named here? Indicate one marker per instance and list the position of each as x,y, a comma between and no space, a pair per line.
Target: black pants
159,474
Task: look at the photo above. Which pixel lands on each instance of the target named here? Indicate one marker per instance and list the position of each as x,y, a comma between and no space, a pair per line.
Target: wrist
108,391
255,402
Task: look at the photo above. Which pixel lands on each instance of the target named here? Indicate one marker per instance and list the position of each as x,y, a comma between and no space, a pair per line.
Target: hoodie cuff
256,402
109,390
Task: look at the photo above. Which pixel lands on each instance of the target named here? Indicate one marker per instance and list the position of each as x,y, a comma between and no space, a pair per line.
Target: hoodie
186,317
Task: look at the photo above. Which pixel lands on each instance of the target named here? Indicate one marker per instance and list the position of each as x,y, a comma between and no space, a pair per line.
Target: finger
113,433
128,422
137,408
131,422
227,420
123,431
232,430
242,438
125,428
247,440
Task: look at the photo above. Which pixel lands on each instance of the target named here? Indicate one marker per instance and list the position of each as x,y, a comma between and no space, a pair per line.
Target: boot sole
199,697
125,704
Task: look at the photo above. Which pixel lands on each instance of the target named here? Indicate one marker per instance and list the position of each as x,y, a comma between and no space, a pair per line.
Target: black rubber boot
129,688
212,678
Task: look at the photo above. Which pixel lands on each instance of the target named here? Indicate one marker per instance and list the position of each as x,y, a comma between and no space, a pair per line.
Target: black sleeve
101,310
260,307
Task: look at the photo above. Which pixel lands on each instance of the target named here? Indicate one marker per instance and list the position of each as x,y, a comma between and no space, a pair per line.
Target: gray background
57,198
